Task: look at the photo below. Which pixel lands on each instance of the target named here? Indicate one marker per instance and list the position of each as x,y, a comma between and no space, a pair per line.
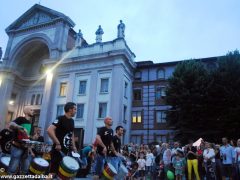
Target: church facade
47,64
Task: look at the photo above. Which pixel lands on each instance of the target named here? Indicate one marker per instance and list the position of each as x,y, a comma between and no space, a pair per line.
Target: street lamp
11,102
49,72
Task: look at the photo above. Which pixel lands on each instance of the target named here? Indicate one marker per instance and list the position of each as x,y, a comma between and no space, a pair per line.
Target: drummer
61,133
39,138
116,157
21,127
104,145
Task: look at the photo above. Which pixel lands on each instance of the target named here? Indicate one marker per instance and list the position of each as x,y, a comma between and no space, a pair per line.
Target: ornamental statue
79,37
0,53
99,34
121,29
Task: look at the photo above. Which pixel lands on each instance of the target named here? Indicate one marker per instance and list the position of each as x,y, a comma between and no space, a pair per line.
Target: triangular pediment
35,19
38,15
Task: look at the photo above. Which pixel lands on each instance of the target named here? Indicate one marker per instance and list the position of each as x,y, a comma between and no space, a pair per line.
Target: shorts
141,173
227,170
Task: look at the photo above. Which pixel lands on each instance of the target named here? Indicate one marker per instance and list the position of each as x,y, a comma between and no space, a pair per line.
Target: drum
109,171
122,173
4,163
37,146
38,166
68,168
47,156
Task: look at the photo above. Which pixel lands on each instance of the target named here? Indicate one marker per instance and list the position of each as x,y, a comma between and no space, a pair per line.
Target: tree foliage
205,103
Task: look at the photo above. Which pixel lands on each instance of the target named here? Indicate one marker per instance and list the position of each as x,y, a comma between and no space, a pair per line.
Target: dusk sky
157,30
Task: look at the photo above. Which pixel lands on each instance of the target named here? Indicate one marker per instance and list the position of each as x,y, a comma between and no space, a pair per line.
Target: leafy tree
224,97
205,103
186,94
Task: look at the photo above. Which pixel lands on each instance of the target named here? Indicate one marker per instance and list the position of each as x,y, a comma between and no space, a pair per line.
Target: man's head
28,111
224,140
207,145
70,109
190,142
119,130
108,121
176,144
238,142
38,130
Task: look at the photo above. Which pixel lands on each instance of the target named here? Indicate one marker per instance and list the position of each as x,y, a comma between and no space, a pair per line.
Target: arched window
33,99
38,99
161,74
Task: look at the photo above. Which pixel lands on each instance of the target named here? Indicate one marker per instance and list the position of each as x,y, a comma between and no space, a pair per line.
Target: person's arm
99,141
73,143
113,149
51,132
204,155
194,152
212,154
233,155
14,126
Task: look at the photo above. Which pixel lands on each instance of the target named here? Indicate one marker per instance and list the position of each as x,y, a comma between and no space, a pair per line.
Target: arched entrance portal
29,59
29,80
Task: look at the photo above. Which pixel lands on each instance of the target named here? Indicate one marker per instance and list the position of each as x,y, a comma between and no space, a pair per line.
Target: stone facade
101,78
93,76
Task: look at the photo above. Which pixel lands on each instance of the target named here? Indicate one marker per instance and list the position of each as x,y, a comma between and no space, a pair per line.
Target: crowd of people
166,160
108,158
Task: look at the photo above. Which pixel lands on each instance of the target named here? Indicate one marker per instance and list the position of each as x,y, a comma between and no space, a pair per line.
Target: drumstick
62,153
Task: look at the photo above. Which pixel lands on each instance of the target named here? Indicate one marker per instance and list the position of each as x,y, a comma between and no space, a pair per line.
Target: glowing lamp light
49,72
11,102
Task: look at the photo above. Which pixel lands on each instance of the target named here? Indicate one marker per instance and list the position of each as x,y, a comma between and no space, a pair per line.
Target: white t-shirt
167,156
149,159
141,164
209,153
237,149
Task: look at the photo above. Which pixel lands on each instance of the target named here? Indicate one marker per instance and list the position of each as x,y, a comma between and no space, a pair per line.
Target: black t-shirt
6,137
191,156
64,131
26,124
117,144
107,137
133,156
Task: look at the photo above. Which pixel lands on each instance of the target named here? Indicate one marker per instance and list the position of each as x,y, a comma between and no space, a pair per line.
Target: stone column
117,93
70,91
6,86
45,107
90,129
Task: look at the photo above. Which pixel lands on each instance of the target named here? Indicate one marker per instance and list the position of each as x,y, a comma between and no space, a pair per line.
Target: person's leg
229,171
224,172
99,165
189,168
25,162
56,158
195,168
238,166
16,154
115,162
214,168
218,168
